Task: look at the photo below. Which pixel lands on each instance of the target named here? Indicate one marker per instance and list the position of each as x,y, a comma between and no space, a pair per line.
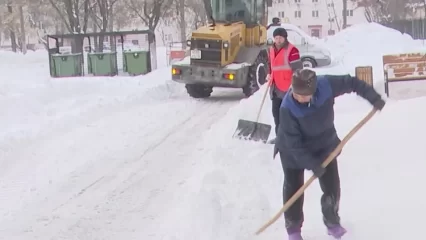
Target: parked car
312,54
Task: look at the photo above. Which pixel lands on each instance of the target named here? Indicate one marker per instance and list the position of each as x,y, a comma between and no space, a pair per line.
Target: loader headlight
229,76
176,71
188,43
225,45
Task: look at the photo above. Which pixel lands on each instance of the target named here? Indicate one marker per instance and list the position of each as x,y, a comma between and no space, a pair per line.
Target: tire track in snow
121,177
20,165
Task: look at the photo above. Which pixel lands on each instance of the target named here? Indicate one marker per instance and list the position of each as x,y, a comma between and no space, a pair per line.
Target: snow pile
365,45
31,100
11,58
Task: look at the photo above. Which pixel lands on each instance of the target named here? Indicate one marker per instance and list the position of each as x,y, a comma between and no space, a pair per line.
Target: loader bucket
254,131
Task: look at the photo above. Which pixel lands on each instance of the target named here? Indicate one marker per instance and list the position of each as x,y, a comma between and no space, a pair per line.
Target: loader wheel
198,90
256,74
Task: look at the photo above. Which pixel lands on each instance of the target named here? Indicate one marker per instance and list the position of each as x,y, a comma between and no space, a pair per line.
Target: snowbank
11,58
364,45
30,100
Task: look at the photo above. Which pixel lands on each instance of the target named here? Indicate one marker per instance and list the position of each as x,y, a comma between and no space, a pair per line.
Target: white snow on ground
136,158
63,137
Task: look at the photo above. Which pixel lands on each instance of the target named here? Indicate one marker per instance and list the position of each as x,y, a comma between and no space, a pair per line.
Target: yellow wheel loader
231,51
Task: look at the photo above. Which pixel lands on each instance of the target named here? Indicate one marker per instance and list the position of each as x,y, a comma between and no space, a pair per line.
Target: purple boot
295,236
336,231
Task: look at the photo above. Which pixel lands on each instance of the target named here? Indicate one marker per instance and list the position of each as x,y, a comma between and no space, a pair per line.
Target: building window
349,13
314,1
315,13
331,19
298,14
315,32
331,32
297,1
281,14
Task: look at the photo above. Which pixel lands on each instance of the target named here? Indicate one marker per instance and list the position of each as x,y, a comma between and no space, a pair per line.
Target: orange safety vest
281,72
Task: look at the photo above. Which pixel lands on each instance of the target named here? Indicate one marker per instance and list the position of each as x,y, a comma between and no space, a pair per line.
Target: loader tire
257,72
198,90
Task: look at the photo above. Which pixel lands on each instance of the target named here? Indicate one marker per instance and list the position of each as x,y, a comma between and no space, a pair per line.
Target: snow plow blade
254,131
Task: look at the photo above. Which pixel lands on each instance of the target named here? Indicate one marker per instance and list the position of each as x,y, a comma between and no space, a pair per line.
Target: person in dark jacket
309,136
284,58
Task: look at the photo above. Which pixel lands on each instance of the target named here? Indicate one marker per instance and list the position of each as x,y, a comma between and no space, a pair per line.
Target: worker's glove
268,77
275,151
379,104
318,171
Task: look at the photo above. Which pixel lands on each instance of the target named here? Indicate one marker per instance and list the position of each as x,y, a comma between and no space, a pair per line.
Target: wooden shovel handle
263,100
327,161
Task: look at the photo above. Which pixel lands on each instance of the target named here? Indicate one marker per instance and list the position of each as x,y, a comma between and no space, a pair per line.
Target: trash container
137,62
67,65
102,64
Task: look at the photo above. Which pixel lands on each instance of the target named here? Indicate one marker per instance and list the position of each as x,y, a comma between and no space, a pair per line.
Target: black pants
276,103
330,185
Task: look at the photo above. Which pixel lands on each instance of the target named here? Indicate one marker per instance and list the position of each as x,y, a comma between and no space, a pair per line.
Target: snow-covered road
111,162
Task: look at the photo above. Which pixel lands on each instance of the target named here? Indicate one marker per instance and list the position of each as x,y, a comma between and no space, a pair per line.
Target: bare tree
200,12
345,14
102,12
386,10
188,15
121,15
23,42
11,25
180,10
149,11
73,13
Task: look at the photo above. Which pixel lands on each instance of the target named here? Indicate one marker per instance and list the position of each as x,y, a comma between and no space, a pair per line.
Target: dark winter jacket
306,135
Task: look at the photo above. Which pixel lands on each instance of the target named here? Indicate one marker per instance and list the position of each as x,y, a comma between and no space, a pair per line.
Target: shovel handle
263,101
329,159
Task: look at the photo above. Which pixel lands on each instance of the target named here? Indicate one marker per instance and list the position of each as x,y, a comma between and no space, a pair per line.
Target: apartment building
318,18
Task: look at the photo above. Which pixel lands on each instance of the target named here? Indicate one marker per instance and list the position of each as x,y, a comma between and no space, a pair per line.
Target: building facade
318,18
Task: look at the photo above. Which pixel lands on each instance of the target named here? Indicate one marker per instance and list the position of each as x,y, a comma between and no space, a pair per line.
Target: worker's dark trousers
276,103
330,185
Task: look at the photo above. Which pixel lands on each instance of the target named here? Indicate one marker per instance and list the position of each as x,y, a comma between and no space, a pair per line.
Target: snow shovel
249,130
327,161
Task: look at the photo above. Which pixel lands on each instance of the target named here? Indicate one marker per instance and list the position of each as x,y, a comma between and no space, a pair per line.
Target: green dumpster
102,64
66,65
136,62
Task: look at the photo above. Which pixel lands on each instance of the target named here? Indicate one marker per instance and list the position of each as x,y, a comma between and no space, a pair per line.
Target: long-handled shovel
330,158
249,130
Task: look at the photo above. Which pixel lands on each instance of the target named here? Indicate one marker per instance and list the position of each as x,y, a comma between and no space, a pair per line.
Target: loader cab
248,11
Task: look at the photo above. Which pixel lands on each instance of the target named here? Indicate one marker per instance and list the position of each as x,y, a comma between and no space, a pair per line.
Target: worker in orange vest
284,58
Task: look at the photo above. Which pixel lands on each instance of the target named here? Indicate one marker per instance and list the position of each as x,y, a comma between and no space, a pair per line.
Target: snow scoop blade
254,131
